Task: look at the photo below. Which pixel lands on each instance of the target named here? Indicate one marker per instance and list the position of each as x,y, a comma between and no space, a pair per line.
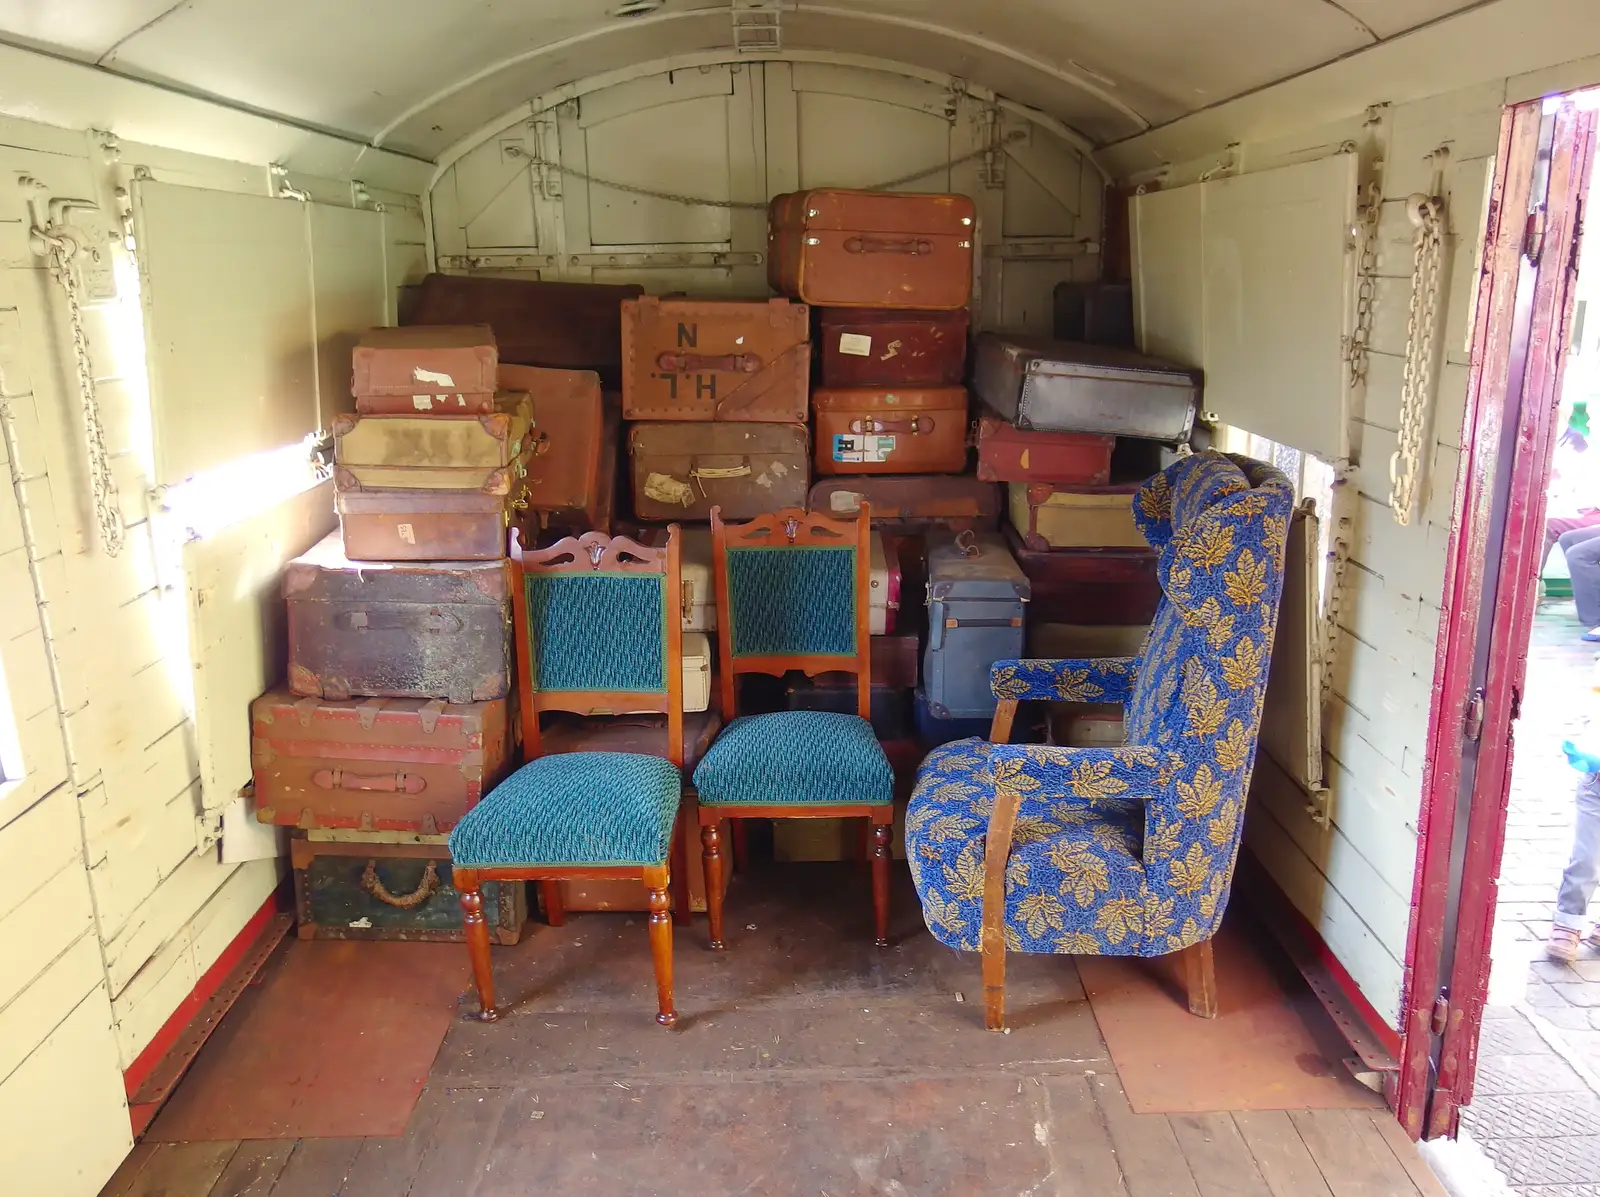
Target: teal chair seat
817,758
575,808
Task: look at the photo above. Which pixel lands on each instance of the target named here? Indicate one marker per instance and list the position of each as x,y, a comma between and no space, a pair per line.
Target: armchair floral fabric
1127,851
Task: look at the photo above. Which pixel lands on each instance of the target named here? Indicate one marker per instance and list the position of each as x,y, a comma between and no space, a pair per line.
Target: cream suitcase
700,599
1056,517
433,452
1085,724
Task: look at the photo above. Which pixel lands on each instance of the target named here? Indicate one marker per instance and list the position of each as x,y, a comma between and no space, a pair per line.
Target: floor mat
1271,1047
335,1042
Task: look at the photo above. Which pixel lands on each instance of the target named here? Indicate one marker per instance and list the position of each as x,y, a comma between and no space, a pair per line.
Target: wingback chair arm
1082,679
1044,772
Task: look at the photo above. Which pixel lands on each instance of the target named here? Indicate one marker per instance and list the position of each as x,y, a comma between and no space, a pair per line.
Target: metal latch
1472,725
1533,235
1440,1017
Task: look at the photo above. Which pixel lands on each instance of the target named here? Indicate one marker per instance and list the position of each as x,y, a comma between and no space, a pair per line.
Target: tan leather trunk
891,430
708,359
869,249
432,452
681,471
568,423
1062,517
421,525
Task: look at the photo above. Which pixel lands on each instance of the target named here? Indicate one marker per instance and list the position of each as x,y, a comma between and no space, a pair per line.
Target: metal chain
1338,561
750,205
1366,287
1427,248
107,504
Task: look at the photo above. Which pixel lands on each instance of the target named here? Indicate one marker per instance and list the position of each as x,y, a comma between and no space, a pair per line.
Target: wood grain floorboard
254,1168
182,1169
455,1155
1280,1154
1083,1159
1152,1162
317,1168
1353,1158
1218,1158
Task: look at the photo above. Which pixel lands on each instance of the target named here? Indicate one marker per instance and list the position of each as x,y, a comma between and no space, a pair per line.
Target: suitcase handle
688,363
916,426
435,622
387,783
914,246
1014,622
426,888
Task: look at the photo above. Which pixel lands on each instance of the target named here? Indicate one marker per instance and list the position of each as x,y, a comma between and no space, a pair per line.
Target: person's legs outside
1577,888
1582,549
1557,526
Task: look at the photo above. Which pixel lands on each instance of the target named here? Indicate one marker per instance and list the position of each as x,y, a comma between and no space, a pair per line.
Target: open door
1523,314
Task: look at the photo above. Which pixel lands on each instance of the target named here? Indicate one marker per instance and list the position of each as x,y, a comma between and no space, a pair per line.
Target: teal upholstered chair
792,594
599,630
1123,851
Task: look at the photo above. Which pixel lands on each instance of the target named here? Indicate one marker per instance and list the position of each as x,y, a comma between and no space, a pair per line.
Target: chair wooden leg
657,881
880,881
477,933
555,911
741,847
994,986
681,914
1200,979
711,853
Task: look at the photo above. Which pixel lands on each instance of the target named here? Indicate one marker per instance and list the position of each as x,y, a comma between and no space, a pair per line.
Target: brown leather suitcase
375,764
870,249
439,629
441,369
957,502
568,425
866,347
681,471
644,734
714,359
1010,454
599,515
421,525
1099,587
877,430
565,326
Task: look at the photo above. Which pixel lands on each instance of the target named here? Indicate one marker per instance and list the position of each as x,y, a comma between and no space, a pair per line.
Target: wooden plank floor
806,1062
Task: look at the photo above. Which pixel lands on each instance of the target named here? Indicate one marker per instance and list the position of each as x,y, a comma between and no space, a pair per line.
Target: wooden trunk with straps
376,764
707,359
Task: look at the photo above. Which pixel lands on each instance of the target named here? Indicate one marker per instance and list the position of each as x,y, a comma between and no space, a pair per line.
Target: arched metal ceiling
416,75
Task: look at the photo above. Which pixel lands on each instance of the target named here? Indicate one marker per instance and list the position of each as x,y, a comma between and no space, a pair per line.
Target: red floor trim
139,1071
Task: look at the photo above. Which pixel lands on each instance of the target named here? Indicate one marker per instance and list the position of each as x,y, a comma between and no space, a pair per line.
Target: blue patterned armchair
1124,851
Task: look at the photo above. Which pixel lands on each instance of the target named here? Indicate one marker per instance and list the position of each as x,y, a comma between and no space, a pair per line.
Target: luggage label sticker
862,449
855,344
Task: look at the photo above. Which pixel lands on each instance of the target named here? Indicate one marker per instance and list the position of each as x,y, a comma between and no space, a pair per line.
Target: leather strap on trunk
732,401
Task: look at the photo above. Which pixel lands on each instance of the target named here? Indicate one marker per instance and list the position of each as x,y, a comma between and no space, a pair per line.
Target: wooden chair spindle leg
880,881
555,911
682,915
661,948
711,854
477,934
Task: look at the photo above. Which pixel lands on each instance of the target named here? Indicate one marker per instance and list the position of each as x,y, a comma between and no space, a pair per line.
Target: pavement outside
1536,1110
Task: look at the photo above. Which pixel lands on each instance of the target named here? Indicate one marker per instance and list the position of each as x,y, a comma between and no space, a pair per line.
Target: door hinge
1533,235
1440,1017
1472,724
1516,703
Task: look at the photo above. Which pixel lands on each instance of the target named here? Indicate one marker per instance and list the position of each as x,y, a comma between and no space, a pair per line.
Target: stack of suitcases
1000,484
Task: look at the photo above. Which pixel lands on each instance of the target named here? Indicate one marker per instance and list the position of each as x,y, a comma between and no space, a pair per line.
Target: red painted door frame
1523,310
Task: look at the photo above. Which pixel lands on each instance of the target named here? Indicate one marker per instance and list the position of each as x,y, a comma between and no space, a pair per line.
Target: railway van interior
758,596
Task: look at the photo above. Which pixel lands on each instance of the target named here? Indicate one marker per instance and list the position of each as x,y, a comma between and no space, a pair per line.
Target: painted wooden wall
1352,878
519,202
110,914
